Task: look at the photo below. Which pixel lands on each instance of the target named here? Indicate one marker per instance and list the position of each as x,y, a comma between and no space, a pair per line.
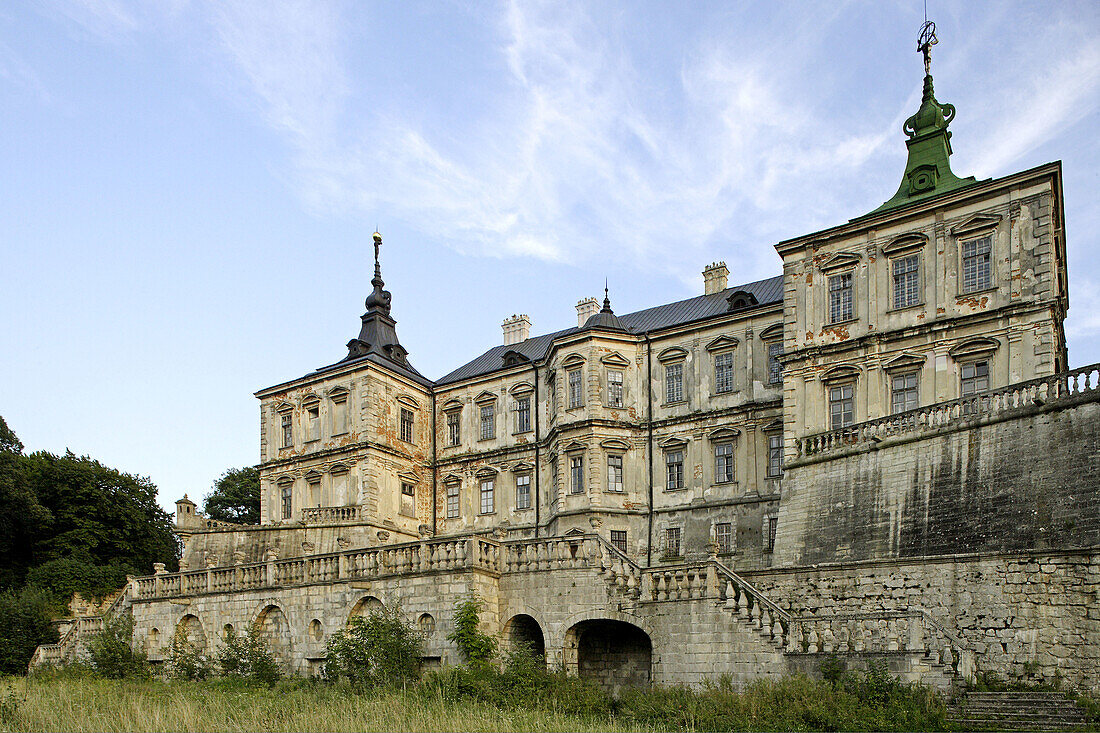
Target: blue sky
188,188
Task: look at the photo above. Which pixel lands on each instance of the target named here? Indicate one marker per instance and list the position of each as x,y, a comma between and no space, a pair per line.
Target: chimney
714,278
516,329
586,309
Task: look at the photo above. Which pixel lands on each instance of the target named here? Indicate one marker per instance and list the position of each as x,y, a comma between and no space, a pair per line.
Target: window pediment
575,447
336,394
409,478
522,388
313,476
337,468
774,426
840,261
615,359
672,443
976,224
615,444
284,481
905,242
672,353
724,434
772,332
452,479
452,406
485,397
523,467
722,343
310,400
408,401
840,374
973,347
572,361
904,361
741,299
486,472
284,407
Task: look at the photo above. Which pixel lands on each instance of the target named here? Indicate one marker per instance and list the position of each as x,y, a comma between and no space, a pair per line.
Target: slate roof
643,321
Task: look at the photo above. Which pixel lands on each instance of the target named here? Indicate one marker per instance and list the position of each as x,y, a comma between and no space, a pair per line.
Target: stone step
982,724
1076,717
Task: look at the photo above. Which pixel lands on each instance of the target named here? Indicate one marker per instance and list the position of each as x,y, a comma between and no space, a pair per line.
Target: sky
188,188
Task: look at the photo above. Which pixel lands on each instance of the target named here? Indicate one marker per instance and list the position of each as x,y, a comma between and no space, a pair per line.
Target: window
975,378
674,383
723,463
286,420
407,489
488,422
614,473
554,474
674,464
775,455
313,419
523,491
576,391
903,392
288,501
614,389
977,264
841,406
775,367
618,539
672,542
723,532
840,298
723,372
522,410
576,475
770,525
406,425
906,280
339,415
315,491
454,429
452,500
488,499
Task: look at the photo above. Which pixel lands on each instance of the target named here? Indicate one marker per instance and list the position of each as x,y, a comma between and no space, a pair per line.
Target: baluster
892,635
731,601
756,613
766,622
860,638
744,602
828,638
777,630
814,645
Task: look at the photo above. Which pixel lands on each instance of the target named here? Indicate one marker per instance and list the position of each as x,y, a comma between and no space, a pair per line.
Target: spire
378,334
606,319
927,171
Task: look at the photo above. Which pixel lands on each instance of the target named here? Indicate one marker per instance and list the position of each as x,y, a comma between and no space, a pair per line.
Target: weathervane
925,41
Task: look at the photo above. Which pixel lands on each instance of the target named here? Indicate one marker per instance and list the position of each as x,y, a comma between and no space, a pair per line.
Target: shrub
25,622
379,649
475,645
64,576
248,658
112,652
11,709
185,661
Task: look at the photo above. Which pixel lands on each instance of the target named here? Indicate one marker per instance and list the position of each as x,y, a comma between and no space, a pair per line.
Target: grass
90,704
460,699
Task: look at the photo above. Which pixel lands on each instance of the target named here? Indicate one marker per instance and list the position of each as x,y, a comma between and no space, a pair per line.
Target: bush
475,645
112,652
248,658
379,649
65,576
185,661
25,622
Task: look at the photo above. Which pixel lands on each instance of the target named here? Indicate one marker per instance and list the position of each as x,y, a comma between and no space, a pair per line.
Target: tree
22,516
8,442
236,497
25,622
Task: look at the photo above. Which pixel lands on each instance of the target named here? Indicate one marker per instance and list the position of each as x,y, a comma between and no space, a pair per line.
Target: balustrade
1014,396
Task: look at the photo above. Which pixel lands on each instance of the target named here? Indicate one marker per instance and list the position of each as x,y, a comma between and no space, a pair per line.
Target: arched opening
613,653
189,630
152,642
365,607
316,631
274,629
524,632
426,624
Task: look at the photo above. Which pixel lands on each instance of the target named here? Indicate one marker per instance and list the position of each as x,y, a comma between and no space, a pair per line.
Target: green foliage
247,658
67,575
236,497
112,651
185,661
831,668
522,684
24,624
475,645
380,649
9,443
11,708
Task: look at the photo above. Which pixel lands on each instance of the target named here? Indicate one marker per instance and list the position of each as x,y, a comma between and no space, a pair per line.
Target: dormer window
741,299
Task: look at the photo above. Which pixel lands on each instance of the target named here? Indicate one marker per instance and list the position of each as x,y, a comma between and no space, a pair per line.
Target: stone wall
1024,479
1032,615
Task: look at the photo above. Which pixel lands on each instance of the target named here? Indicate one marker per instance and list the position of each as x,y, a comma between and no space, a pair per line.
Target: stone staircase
72,645
1016,711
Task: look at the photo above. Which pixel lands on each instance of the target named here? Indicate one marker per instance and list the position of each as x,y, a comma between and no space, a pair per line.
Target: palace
880,453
